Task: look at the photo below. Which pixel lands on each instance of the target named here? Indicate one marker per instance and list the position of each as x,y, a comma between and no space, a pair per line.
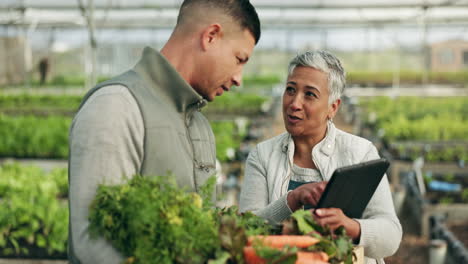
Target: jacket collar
326,145
160,75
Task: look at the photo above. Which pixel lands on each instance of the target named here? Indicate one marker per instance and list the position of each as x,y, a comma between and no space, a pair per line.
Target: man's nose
237,79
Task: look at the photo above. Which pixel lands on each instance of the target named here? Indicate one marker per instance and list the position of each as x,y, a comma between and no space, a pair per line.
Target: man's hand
306,194
334,218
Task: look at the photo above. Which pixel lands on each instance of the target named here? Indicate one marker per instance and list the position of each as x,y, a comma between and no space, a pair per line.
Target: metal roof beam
17,5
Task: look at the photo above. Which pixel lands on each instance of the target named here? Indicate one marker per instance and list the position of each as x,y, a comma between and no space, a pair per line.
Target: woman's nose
296,103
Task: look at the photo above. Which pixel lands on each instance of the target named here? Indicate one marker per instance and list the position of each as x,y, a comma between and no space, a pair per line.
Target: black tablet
351,188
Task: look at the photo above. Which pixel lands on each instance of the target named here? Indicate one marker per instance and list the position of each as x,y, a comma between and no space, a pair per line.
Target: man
147,120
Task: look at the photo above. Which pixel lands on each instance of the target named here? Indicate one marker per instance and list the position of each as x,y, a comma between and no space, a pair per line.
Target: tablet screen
351,188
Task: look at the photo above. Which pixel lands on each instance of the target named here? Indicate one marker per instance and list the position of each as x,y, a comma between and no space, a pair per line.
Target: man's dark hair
240,11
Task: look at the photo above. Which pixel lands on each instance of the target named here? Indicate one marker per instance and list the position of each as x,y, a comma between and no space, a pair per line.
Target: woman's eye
290,90
310,94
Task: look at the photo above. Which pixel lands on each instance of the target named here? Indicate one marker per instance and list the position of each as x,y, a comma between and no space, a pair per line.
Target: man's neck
175,52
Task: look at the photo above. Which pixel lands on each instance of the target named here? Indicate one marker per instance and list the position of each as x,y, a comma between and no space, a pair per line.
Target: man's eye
310,94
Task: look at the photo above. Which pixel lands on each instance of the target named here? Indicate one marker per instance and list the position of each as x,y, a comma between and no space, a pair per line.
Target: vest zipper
186,123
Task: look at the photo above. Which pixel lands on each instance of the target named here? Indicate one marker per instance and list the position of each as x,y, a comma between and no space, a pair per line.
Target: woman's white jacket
267,174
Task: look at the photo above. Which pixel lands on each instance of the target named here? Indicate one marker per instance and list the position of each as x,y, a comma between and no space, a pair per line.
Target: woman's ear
333,108
210,35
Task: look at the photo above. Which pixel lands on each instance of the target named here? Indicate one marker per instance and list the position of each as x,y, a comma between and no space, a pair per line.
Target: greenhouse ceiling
273,13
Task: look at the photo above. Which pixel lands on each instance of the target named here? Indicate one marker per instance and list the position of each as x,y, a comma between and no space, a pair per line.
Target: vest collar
160,75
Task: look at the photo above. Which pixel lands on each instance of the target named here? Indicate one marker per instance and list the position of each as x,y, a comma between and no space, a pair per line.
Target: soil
34,252
413,250
460,230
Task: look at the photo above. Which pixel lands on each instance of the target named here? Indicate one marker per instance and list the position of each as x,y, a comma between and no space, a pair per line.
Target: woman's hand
334,218
306,194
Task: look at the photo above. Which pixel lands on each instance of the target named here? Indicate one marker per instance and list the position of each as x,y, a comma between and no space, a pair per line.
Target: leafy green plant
31,216
449,177
272,255
226,138
167,226
465,195
446,200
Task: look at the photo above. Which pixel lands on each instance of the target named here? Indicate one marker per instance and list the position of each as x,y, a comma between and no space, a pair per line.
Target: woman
291,170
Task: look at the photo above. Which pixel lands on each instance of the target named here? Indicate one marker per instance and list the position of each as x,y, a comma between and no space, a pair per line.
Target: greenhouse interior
405,95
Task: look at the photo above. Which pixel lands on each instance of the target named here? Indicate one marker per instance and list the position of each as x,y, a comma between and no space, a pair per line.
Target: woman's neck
303,155
303,150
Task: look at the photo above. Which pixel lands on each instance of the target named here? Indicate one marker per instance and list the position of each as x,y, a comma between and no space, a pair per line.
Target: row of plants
428,120
229,103
47,137
65,81
441,153
34,137
253,80
33,211
20,104
382,109
79,80
238,104
362,78
385,79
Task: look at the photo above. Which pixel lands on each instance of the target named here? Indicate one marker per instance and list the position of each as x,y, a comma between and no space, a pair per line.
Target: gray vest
178,139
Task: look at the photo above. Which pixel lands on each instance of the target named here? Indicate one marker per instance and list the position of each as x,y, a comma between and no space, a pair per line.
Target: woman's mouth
293,119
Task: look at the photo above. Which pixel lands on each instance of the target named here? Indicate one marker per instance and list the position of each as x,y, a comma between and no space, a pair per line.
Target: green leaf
220,258
41,241
15,244
301,216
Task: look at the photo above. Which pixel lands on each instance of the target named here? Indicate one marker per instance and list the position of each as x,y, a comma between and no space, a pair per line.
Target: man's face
222,65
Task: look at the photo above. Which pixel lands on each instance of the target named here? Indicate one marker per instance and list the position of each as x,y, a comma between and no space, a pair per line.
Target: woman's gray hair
327,63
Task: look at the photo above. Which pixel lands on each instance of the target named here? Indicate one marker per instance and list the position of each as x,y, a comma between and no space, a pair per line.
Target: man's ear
210,35
333,108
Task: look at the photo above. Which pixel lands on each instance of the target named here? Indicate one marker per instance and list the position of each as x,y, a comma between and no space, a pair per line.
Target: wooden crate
359,251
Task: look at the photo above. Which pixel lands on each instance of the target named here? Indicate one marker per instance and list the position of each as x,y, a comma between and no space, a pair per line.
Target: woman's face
305,103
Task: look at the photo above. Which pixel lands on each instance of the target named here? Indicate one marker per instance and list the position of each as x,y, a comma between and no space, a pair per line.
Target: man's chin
219,93
209,98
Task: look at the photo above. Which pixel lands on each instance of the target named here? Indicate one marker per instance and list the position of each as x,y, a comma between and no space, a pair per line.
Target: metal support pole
424,48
